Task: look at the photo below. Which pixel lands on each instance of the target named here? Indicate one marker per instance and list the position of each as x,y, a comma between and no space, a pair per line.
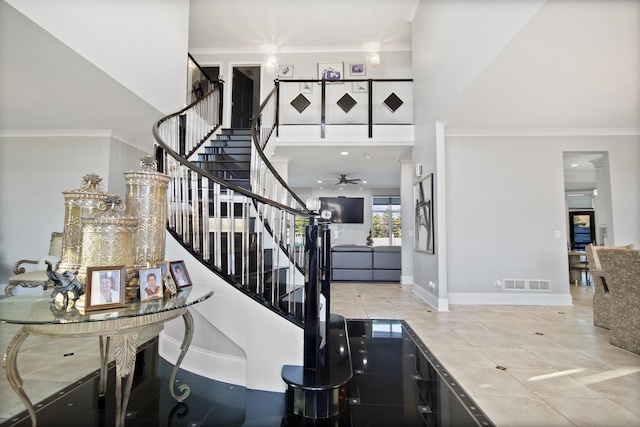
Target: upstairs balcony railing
349,102
262,238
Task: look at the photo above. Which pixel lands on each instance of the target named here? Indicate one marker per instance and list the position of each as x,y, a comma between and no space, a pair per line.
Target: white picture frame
331,71
357,69
285,71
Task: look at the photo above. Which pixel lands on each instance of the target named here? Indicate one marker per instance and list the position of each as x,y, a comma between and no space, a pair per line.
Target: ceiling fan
343,180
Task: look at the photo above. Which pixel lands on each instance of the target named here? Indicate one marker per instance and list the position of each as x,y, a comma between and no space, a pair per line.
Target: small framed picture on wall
357,69
330,71
285,71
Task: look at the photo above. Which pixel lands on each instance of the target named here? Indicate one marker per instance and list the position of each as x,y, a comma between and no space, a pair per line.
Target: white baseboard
439,304
209,364
528,298
406,280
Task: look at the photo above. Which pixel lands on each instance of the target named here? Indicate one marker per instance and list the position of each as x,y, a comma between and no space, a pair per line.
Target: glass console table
38,316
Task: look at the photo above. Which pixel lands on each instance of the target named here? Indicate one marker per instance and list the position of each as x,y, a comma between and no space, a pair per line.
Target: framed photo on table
167,280
151,286
105,287
162,265
180,274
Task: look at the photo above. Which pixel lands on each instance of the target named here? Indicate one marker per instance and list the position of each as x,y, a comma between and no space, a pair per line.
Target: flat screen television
344,210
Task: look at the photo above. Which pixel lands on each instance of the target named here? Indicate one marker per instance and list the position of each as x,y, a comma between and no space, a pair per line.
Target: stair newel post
312,336
325,264
318,389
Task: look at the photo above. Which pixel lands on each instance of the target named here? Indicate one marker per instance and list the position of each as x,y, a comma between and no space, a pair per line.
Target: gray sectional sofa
365,264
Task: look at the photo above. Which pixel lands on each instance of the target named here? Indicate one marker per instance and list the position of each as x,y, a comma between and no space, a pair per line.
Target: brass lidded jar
80,203
147,201
107,238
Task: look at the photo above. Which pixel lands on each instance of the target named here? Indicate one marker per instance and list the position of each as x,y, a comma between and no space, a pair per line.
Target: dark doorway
212,72
582,229
243,96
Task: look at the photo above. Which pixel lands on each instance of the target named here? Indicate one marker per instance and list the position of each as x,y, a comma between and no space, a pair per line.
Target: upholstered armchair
31,277
621,270
601,293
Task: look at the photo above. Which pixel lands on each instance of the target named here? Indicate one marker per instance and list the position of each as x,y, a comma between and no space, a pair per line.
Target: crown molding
544,132
295,49
71,133
46,133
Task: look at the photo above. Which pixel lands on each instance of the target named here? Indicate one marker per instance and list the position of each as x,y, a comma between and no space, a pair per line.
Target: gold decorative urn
80,203
147,201
107,238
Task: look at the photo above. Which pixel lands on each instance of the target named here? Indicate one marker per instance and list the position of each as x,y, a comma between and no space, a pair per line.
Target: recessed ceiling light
344,153
319,181
364,182
574,165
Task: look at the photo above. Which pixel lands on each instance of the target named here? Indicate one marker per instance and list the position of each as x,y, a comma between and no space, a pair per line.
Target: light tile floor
557,368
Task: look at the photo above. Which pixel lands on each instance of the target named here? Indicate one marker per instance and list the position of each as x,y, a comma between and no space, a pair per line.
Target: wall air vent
539,285
515,284
526,285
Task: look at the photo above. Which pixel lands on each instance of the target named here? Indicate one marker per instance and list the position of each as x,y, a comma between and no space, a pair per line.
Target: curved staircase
245,234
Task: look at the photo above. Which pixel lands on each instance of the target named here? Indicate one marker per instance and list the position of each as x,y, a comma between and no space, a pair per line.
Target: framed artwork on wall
285,71
306,87
357,69
330,71
359,87
424,227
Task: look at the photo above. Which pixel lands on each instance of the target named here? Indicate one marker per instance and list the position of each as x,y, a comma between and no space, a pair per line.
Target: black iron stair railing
249,236
245,233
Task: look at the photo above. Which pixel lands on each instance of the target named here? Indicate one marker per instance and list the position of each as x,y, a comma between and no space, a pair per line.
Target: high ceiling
299,25
573,65
305,26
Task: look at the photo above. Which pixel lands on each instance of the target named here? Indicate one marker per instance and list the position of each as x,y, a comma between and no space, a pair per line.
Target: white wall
144,48
487,186
32,183
506,216
250,330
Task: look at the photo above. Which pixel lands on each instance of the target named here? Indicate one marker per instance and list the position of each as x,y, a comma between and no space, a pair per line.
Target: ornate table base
124,332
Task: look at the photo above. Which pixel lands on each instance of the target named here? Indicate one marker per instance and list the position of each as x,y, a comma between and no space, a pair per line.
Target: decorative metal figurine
64,283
